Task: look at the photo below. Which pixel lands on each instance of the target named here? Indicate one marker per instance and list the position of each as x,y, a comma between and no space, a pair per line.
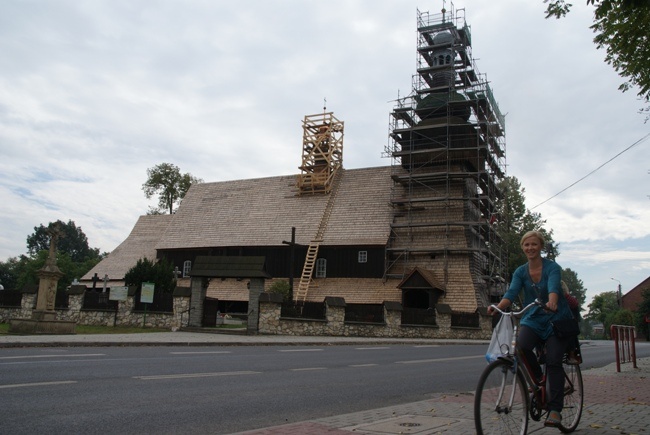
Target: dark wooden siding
342,261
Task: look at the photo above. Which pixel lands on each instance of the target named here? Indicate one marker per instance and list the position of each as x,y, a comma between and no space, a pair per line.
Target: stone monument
43,320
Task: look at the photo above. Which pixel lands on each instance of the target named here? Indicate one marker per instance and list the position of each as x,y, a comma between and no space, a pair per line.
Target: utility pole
619,294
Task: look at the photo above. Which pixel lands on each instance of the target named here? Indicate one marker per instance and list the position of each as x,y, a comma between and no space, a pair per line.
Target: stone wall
125,316
270,322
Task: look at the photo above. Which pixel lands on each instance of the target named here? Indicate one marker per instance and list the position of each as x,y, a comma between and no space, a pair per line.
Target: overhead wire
595,170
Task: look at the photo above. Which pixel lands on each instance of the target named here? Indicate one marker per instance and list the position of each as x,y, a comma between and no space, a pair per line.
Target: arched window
321,268
187,266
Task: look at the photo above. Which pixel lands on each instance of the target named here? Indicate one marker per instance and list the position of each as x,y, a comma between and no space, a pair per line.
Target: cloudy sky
95,92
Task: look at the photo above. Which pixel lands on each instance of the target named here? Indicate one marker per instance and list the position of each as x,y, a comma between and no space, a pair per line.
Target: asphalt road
225,389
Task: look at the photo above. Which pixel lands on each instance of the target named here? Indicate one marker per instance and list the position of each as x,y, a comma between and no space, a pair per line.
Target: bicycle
507,392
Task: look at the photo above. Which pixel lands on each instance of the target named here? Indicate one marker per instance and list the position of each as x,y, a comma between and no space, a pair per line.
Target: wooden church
420,231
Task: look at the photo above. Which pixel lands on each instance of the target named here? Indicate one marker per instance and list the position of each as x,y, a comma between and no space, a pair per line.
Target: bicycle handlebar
518,314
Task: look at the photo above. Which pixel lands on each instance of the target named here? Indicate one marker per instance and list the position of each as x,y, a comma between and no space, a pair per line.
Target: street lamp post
619,295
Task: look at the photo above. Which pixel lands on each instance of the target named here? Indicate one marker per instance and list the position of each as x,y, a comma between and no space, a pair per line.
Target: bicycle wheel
573,398
501,401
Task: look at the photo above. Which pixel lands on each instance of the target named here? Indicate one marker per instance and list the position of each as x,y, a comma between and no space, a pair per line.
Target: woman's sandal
553,420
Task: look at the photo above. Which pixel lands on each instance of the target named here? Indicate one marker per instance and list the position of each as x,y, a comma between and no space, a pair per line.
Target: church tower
447,145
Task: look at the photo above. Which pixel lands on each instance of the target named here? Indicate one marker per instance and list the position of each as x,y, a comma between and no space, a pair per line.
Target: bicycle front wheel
573,398
501,401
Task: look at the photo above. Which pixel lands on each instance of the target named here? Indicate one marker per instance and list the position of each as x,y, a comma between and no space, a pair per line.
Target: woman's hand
552,302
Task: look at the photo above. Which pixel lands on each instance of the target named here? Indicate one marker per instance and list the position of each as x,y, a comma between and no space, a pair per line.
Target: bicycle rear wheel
573,398
501,401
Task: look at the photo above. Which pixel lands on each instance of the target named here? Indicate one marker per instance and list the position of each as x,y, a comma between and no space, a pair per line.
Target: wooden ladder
312,250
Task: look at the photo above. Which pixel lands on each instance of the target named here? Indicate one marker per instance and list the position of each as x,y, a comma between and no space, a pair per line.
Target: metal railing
623,337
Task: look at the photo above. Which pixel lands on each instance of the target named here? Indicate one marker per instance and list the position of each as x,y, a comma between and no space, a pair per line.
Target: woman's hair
537,234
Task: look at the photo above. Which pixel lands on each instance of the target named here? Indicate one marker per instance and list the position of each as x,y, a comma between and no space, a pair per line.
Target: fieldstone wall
270,322
125,316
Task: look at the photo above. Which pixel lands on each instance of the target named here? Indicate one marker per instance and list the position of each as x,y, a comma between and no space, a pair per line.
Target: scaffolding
447,147
322,153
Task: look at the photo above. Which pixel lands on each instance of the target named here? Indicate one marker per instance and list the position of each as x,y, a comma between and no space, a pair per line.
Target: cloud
93,93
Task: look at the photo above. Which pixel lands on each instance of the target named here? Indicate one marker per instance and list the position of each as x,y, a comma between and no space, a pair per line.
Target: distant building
631,301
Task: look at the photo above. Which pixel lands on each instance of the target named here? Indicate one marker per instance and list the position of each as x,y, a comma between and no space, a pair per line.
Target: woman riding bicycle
540,278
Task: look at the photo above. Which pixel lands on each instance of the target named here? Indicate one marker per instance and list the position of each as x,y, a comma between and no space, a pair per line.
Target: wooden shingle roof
140,244
261,212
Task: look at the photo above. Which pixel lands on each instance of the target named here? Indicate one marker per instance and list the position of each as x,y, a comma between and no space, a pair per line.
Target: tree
622,27
283,288
167,181
9,271
74,257
74,242
161,273
602,308
516,219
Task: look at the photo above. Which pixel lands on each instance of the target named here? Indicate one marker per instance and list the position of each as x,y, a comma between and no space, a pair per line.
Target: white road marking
194,375
420,361
308,369
52,356
372,348
363,365
199,353
300,350
38,384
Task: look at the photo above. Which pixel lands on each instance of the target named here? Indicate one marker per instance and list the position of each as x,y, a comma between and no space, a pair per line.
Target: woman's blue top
537,318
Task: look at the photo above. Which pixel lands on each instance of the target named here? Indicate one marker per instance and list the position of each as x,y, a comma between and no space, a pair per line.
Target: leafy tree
161,273
166,181
74,242
9,271
602,308
283,288
74,257
516,219
622,29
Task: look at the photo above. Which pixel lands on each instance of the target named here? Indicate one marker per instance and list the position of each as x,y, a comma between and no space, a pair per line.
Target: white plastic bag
501,339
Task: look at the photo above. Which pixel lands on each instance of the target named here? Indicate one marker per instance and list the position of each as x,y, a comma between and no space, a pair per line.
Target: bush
282,288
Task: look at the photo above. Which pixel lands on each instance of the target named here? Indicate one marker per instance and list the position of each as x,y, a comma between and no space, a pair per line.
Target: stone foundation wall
270,322
123,317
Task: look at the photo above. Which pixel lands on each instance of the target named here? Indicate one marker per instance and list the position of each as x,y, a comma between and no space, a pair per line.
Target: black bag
566,328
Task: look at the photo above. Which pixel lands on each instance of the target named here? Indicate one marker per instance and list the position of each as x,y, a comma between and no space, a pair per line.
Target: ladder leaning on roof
312,250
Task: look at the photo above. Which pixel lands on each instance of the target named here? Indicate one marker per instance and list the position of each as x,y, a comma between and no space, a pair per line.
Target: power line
595,170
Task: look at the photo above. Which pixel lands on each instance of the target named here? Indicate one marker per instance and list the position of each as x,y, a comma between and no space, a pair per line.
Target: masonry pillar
255,289
198,287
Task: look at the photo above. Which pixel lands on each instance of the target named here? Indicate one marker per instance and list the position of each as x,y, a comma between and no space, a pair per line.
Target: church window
187,266
321,268
363,256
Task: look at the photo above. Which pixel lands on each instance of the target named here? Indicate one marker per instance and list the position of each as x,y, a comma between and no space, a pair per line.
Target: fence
10,298
90,307
623,337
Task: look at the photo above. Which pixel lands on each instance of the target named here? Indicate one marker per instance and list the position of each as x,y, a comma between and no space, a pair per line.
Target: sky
94,93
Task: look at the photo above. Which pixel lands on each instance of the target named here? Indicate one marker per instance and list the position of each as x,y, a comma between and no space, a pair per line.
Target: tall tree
74,242
515,219
166,181
622,28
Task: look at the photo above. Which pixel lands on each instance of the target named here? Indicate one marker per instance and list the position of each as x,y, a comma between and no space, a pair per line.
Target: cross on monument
94,279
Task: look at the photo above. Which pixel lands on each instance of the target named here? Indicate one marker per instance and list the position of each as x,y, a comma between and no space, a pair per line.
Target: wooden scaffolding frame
322,153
